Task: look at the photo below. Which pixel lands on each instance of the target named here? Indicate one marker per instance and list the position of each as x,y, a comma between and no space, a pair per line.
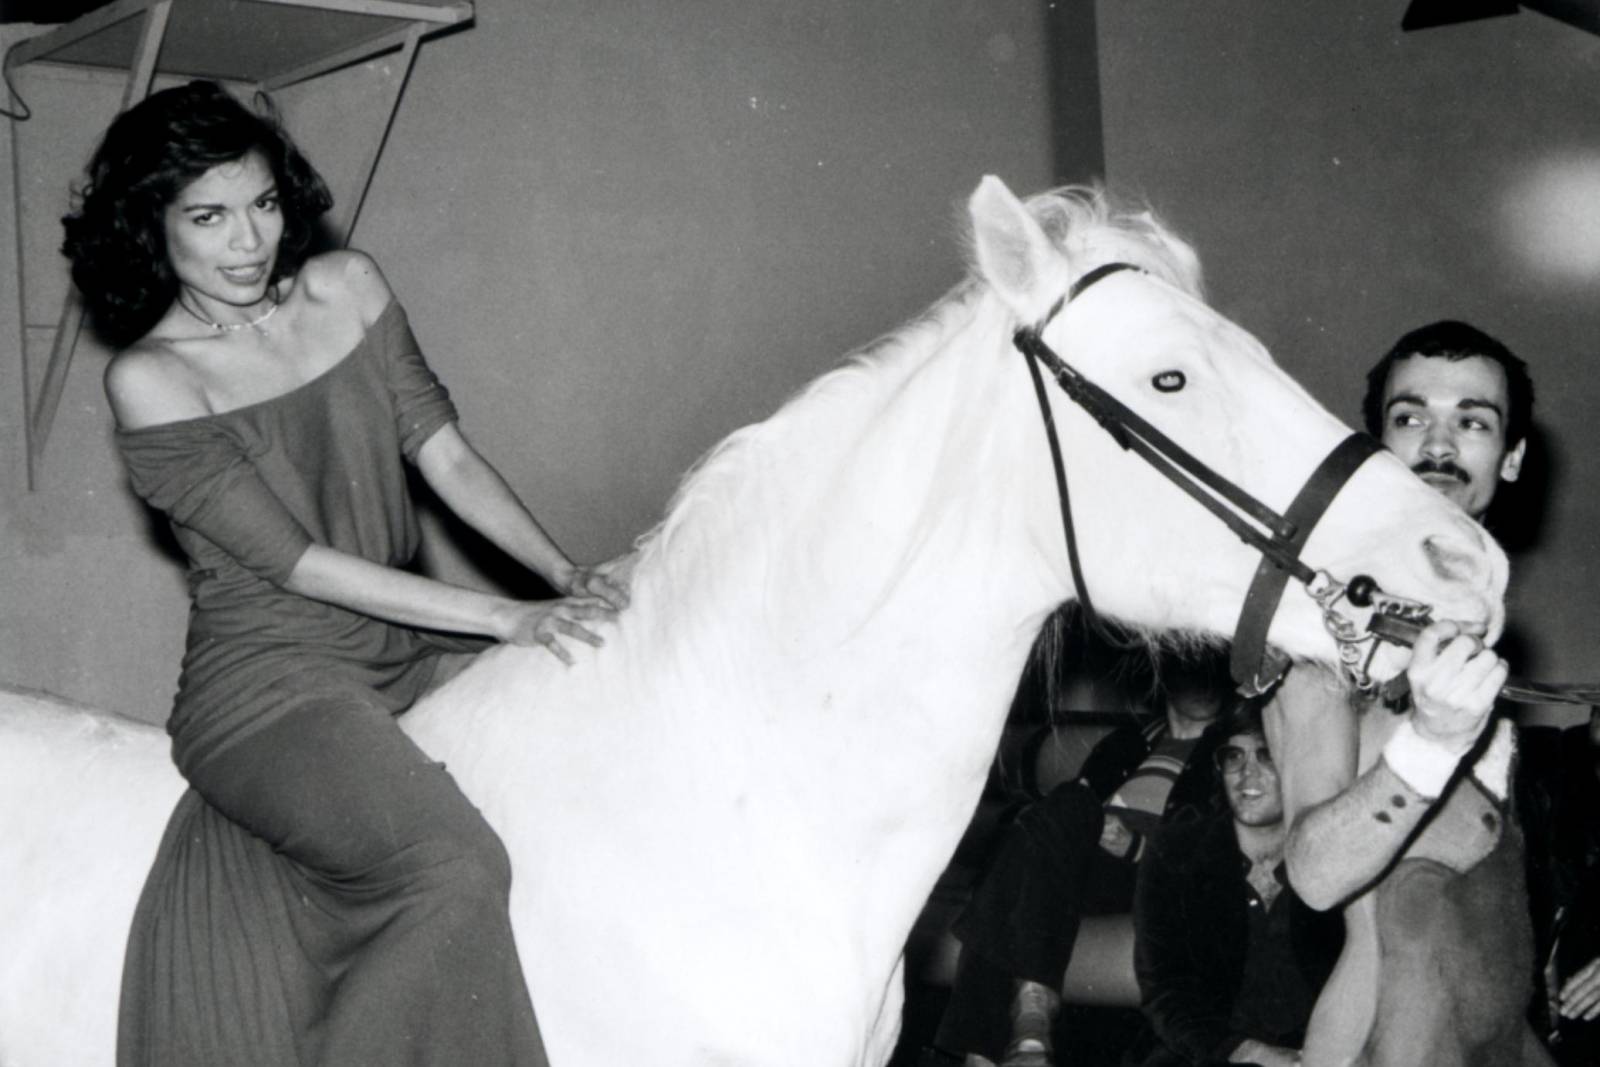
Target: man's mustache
1441,466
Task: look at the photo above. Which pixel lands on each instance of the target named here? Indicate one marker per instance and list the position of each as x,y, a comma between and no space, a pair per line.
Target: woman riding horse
743,837
324,892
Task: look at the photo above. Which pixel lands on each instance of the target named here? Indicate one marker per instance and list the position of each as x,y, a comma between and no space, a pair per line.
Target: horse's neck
876,545
822,646
862,625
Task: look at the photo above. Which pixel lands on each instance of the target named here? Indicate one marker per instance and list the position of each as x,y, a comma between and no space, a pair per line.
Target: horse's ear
1014,254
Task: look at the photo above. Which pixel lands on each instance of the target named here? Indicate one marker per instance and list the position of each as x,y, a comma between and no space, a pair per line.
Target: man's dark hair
1453,340
1241,716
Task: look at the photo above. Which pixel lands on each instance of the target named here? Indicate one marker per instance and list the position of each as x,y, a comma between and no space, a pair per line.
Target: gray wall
1345,182
622,231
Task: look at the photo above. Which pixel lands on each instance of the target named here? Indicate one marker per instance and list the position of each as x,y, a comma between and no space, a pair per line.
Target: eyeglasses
1230,759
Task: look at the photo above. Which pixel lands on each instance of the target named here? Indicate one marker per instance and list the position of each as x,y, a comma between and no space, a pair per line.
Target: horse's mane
1090,227
717,502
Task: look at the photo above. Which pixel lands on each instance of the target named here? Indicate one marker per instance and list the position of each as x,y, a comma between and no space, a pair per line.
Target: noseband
1357,614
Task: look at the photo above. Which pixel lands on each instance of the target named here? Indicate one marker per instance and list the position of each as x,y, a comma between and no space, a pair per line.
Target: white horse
724,823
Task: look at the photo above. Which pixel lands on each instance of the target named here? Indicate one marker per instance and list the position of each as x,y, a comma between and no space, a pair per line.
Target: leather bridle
1358,614
1279,538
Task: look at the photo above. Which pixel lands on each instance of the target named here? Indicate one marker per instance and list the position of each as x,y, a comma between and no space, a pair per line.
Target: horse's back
86,796
652,851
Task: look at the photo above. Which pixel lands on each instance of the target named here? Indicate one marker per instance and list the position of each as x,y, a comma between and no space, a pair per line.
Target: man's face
1445,419
1250,780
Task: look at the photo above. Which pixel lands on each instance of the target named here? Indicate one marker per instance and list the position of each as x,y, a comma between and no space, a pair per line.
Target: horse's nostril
1453,561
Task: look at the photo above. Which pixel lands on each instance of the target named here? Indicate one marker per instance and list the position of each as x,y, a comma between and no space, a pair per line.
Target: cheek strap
1255,666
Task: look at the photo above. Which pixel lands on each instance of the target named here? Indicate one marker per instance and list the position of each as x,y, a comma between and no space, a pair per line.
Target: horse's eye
1169,381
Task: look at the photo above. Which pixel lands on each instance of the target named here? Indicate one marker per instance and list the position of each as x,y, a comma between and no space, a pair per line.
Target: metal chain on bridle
1358,614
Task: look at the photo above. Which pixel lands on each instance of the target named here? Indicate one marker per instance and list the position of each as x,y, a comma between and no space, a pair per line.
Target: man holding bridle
1455,405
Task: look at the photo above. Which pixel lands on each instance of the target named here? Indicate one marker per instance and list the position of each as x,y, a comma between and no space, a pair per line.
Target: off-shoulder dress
323,894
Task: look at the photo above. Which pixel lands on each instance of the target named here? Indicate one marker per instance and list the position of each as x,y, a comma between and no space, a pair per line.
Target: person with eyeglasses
1229,959
324,891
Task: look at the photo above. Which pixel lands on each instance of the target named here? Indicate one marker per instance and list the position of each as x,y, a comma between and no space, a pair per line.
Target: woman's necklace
233,327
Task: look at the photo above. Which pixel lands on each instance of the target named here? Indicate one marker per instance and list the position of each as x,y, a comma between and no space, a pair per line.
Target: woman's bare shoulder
147,385
347,278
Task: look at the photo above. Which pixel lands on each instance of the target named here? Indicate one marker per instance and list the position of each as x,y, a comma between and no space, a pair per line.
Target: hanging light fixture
1426,14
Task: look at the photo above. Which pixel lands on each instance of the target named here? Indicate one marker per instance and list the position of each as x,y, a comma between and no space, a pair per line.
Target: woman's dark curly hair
116,237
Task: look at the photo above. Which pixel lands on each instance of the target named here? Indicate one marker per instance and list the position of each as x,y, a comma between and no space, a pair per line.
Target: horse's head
1154,557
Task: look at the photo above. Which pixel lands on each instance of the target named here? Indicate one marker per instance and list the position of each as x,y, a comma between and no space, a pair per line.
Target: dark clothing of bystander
1047,873
1558,796
1216,965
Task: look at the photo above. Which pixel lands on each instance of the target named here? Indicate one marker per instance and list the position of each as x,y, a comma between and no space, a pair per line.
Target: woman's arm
358,584
466,482
476,493
474,490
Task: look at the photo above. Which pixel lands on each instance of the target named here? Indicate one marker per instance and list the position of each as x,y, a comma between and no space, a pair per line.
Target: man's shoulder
1132,732
1116,755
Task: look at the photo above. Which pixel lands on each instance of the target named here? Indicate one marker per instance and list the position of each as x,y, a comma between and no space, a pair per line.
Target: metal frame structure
263,44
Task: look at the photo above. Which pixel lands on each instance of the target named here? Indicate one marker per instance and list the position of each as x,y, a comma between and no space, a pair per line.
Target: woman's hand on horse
1454,681
606,581
549,623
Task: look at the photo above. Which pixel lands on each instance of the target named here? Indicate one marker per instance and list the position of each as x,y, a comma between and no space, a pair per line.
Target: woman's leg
402,911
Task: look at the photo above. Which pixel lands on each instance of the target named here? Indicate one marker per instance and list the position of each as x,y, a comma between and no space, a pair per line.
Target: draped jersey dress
323,892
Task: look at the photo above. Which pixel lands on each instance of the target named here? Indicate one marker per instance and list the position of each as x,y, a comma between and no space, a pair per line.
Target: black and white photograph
799,533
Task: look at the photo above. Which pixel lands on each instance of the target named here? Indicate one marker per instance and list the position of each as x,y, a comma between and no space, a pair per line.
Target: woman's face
222,232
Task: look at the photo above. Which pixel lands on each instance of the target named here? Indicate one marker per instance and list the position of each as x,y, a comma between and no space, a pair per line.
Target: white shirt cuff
1422,764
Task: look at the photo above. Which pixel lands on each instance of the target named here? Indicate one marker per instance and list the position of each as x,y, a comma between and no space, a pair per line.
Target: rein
1358,614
